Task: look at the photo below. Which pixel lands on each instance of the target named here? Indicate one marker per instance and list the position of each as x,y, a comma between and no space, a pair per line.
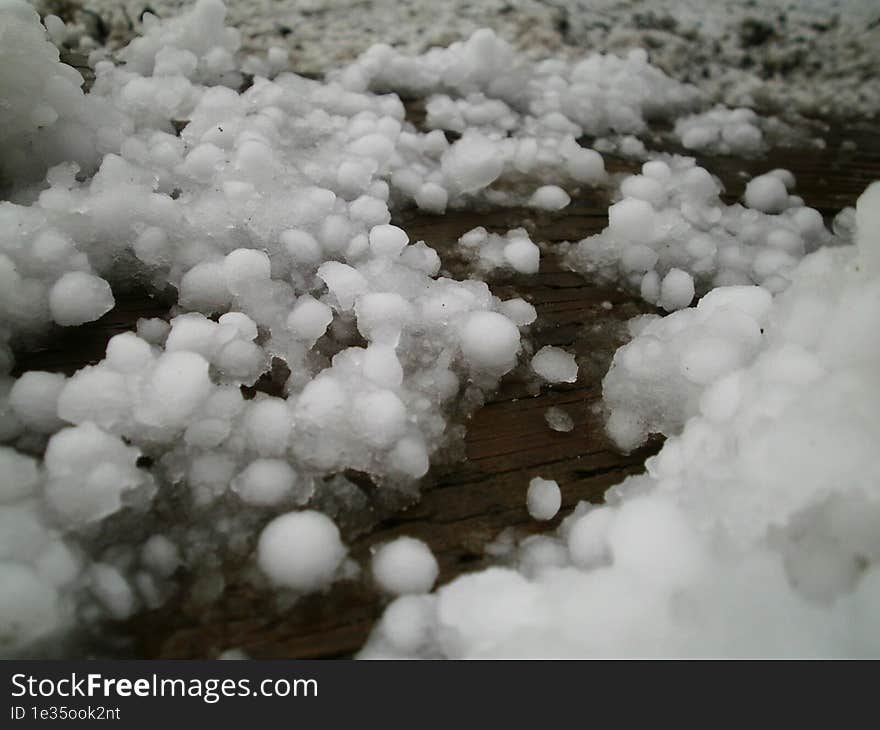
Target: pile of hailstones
269,213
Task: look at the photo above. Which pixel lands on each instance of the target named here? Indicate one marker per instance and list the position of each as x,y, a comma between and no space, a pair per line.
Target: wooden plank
464,503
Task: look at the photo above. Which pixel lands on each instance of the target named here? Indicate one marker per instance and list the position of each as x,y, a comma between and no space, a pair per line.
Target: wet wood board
465,503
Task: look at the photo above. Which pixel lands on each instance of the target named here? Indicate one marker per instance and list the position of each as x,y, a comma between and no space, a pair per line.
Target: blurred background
819,58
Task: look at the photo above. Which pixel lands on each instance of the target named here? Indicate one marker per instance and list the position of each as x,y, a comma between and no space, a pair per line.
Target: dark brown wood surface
465,503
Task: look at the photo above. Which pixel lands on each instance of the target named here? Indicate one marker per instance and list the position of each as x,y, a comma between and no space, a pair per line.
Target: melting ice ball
405,565
301,550
543,498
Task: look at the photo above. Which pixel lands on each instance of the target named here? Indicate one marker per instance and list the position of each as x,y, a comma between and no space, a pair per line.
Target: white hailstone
405,565
192,332
78,297
490,341
244,267
549,197
519,311
537,553
642,187
375,146
767,193
112,590
420,257
34,400
343,281
268,424
381,316
410,456
176,388
207,433
522,255
651,538
89,473
408,621
302,247
585,165
787,177
160,555
555,365
705,360
95,394
676,290
432,198
203,161
277,58
543,498
335,234
151,246
626,429
632,220
587,538
29,607
722,399
128,353
58,564
353,177
309,319
371,210
650,287
638,258
387,241
19,475
380,417
657,170
56,28
381,366
265,482
240,324
204,287
472,163
301,551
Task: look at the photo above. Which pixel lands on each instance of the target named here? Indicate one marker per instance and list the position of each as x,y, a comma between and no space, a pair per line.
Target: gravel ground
815,57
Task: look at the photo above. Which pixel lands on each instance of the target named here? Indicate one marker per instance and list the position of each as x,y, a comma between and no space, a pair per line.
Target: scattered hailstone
549,197
109,183
112,590
160,555
519,311
78,297
676,290
769,192
672,223
558,419
34,400
301,551
543,499
90,473
490,340
722,130
405,565
490,251
265,482
309,319
30,608
408,622
555,365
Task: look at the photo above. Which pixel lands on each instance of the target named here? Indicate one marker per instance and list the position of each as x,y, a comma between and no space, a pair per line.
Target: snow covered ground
815,57
264,199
